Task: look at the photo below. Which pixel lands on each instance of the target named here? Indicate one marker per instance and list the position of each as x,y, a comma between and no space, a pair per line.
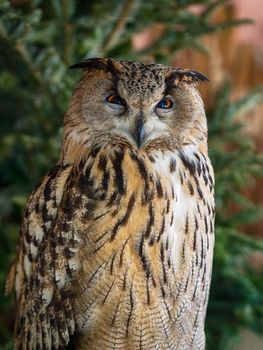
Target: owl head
135,105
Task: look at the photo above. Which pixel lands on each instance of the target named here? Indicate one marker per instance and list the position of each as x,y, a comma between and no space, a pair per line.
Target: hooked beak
139,131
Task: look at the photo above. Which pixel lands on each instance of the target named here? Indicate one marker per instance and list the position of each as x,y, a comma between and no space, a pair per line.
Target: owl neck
75,150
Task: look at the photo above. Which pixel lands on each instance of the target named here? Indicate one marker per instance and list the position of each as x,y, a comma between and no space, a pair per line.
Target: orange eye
115,99
165,103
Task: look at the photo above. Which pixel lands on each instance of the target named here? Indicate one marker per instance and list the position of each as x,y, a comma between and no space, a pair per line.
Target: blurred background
224,40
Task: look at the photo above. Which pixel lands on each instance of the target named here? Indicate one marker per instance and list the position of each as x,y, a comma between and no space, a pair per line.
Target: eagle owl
117,240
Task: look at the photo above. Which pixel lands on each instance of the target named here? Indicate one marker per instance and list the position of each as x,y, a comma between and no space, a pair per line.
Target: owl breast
147,252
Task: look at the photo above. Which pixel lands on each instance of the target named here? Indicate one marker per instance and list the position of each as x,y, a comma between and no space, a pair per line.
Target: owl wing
45,267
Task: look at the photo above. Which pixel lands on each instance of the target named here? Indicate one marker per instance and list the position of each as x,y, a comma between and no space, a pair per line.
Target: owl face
137,105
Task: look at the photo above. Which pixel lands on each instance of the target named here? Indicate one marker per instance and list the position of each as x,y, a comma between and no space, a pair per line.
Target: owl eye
165,103
116,100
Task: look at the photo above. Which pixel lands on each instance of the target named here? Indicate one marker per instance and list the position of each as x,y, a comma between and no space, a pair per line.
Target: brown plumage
117,240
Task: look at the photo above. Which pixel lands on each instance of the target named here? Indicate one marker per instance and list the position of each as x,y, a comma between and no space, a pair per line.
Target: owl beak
139,132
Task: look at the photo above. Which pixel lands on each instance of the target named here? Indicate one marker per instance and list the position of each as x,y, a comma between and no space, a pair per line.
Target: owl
116,243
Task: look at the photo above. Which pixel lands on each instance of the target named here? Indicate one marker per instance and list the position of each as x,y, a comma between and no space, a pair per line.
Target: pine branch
119,25
21,50
253,242
67,32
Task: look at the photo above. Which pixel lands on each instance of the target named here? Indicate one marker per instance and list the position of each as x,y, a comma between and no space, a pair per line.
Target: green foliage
39,40
236,298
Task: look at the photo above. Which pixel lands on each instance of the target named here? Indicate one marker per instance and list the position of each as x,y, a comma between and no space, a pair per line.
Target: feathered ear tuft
106,64
89,63
192,76
187,76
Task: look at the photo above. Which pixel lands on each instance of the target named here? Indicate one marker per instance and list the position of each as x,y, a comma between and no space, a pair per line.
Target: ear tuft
91,63
105,64
192,76
187,76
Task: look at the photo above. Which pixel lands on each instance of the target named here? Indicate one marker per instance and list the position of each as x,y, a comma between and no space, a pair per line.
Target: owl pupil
115,99
165,103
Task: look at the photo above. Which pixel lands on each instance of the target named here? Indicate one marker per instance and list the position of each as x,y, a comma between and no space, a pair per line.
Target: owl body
117,241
